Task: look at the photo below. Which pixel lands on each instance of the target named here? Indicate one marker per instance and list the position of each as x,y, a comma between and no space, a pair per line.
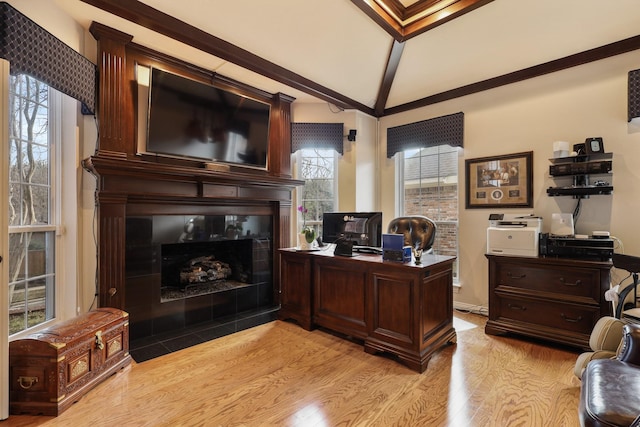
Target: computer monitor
360,228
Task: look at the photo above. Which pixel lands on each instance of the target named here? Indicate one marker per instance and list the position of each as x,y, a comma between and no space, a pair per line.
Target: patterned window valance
634,94
32,50
445,130
327,136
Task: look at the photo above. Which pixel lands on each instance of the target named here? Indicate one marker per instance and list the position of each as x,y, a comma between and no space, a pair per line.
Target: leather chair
610,392
419,231
605,342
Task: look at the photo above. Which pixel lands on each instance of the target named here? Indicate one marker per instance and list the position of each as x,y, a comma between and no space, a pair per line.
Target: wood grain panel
564,280
296,289
436,288
339,302
111,237
395,305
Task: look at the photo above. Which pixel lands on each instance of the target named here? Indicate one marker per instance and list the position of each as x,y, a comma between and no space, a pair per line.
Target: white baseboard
476,309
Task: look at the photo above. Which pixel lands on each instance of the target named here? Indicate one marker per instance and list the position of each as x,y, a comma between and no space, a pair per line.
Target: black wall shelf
581,168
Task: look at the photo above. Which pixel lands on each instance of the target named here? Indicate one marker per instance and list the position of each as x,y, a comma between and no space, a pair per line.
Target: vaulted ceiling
377,56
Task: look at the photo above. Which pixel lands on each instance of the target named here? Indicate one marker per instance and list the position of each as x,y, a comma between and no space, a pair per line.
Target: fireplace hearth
169,293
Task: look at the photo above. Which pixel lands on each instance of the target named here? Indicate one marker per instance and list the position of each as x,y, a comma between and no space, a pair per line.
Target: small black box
393,255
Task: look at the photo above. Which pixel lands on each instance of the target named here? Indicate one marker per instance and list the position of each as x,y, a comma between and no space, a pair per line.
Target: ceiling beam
402,31
591,55
389,75
148,17
155,20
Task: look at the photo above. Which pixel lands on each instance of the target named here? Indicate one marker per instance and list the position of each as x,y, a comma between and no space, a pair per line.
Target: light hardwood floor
278,374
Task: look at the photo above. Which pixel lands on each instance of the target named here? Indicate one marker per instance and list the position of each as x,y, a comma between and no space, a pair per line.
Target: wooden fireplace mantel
147,178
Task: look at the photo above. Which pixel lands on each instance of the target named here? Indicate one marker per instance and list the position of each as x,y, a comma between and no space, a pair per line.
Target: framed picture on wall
500,181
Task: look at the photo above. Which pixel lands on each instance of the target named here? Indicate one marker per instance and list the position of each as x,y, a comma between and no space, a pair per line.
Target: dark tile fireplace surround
191,278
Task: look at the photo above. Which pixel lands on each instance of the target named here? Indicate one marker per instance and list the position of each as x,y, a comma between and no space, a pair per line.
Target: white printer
513,234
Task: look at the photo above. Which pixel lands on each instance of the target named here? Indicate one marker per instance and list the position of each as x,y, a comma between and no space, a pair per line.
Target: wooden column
111,249
114,94
280,136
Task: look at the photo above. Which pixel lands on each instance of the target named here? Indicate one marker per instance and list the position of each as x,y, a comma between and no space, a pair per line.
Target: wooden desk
403,309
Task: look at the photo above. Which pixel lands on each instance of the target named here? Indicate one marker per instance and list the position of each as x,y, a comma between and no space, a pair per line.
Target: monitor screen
361,228
189,119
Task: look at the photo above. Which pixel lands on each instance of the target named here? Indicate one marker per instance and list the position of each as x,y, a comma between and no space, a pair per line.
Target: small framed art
500,181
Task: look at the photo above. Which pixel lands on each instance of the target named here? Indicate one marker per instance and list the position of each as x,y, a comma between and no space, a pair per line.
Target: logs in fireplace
203,270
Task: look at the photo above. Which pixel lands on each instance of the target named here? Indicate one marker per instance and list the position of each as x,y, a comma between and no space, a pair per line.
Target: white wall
571,105
366,145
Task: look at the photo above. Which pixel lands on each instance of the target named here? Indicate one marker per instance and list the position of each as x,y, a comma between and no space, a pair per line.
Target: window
318,169
32,217
429,187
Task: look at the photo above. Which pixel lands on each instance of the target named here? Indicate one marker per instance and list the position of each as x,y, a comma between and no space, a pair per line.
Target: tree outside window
31,231
318,170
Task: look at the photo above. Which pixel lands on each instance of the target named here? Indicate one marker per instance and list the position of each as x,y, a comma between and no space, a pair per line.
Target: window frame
63,215
298,158
400,199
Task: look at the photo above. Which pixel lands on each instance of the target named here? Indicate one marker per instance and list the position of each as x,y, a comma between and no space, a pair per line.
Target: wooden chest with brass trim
52,369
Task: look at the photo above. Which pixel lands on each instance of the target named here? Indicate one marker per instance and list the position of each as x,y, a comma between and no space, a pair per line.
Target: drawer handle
564,282
569,319
27,382
511,276
517,307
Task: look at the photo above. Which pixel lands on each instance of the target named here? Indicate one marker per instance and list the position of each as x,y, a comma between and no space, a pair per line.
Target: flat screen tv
189,119
361,228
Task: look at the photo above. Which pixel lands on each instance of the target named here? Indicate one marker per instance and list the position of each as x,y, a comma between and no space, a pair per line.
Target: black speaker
593,145
352,135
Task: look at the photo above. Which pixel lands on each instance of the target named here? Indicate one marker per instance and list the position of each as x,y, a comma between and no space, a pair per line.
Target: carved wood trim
115,135
111,238
280,136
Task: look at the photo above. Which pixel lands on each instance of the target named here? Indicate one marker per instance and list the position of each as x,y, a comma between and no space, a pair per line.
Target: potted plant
307,235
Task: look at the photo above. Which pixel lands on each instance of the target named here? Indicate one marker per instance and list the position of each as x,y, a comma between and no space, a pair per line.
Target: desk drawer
574,281
567,317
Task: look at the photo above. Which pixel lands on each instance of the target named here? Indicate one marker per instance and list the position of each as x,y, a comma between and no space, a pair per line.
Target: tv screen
189,119
361,228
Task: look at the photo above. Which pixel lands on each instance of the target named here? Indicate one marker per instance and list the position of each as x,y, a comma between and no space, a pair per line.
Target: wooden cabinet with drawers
555,299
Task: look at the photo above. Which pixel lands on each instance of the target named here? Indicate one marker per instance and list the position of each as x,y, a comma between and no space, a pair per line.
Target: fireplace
149,206
183,270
